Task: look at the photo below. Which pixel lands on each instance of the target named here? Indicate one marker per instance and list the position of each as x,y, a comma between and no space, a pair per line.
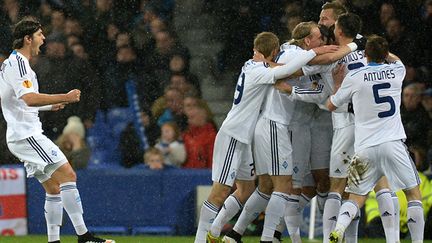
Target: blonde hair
301,31
152,151
338,8
266,43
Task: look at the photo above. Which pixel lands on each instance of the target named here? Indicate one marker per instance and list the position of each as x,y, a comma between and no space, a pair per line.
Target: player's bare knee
282,183
265,184
413,194
219,193
337,184
51,187
244,190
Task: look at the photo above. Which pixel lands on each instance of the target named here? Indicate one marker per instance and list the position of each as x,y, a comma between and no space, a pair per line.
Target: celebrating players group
317,116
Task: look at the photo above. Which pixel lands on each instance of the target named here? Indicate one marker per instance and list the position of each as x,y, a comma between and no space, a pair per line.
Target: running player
375,91
232,159
21,102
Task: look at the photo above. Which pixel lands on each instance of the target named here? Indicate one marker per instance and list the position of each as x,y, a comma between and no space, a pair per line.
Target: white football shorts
301,146
321,140
231,160
390,159
342,151
41,157
272,148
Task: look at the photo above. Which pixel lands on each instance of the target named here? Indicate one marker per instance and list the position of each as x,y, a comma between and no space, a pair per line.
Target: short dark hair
338,8
377,48
350,24
23,28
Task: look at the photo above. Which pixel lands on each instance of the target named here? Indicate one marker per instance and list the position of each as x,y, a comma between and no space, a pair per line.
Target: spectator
401,42
414,117
130,150
179,66
427,105
173,110
199,136
154,159
71,142
169,144
57,23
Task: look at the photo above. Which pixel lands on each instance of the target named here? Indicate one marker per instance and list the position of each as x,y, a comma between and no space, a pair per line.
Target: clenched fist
73,96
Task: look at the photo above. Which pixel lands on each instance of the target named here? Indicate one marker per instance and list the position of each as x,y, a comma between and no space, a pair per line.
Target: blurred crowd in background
98,45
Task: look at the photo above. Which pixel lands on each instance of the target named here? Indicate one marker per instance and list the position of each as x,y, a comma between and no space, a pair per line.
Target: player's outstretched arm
37,99
392,58
54,107
334,56
294,64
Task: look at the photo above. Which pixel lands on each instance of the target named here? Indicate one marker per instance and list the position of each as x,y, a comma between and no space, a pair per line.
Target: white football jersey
352,61
278,106
16,79
252,86
375,91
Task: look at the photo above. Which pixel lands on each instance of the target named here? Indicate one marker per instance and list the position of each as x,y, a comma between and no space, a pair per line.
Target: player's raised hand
73,96
338,74
283,86
57,107
325,49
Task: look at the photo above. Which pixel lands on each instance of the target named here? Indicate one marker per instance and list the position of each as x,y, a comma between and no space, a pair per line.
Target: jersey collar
374,64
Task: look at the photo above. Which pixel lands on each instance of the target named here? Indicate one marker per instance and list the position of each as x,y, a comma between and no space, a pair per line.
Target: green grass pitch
154,239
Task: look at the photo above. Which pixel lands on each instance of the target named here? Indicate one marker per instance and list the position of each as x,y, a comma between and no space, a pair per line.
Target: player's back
376,98
252,86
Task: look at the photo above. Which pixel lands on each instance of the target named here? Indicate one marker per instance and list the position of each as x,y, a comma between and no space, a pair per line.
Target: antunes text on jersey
379,75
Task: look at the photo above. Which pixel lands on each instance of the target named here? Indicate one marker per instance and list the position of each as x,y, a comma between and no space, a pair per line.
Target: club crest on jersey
27,84
295,169
53,153
233,174
285,164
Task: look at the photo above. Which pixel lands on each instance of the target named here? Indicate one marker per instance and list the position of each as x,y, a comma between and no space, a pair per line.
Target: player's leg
226,159
402,173
386,208
53,209
255,205
273,147
65,176
396,206
245,186
321,142
342,151
321,177
415,215
365,163
232,205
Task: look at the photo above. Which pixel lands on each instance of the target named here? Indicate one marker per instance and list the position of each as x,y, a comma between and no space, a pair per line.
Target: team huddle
313,119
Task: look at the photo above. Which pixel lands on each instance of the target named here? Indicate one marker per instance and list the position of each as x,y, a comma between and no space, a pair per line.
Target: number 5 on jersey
384,99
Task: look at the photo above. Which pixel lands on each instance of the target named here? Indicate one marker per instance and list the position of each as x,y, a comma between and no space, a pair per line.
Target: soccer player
21,103
232,157
375,91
